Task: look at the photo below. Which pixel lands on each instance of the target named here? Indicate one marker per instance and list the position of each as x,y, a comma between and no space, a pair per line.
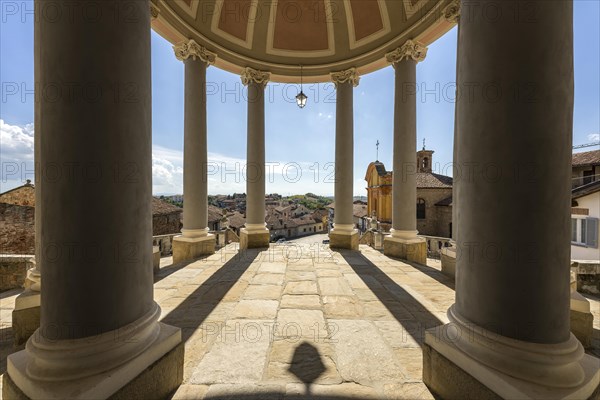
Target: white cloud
225,174
167,170
16,142
594,137
16,154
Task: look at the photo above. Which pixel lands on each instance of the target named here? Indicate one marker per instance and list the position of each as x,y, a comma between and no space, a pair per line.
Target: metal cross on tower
377,154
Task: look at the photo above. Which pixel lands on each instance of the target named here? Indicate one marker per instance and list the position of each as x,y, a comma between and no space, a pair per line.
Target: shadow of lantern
307,364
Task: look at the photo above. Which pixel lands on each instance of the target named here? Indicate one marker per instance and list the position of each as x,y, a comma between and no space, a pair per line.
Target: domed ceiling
321,35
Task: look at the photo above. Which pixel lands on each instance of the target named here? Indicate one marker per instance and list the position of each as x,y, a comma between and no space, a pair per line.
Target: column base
153,374
461,360
414,250
582,319
25,316
254,239
344,239
187,249
448,256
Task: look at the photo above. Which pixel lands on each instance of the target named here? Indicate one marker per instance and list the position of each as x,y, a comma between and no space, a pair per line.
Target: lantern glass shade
301,99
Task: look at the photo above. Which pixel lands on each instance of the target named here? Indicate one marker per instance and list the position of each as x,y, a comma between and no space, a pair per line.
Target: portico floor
271,323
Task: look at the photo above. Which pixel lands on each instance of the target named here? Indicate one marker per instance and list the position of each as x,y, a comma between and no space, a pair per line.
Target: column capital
349,75
452,12
185,50
411,49
250,75
154,11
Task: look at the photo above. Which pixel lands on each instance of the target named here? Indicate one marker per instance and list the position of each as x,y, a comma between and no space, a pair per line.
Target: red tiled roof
236,219
214,214
359,210
160,207
586,158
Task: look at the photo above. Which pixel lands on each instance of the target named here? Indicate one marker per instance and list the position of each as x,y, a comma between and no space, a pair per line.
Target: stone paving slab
301,301
260,323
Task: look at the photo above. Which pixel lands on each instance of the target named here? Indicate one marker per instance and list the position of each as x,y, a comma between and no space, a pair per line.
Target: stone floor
299,319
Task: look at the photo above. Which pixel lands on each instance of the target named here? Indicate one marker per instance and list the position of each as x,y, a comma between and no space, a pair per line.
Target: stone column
26,315
195,240
255,234
509,332
403,241
448,254
344,235
99,323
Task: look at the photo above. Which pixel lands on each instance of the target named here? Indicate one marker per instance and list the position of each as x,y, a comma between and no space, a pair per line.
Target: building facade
434,196
586,168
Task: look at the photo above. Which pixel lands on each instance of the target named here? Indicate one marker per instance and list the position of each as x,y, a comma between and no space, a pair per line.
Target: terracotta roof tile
586,158
160,207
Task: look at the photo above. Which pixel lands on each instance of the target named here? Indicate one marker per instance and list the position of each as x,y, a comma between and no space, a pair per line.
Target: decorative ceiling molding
411,7
452,12
154,11
330,50
185,50
175,27
409,50
385,20
349,75
251,75
250,23
190,7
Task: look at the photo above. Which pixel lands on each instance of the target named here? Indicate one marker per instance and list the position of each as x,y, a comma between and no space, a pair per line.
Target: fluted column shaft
195,158
95,159
404,185
514,154
344,155
195,241
255,167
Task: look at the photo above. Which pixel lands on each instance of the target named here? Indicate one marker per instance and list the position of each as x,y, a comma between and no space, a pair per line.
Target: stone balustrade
435,245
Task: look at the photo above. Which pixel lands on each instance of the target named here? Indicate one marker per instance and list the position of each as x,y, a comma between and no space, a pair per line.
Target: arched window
420,208
425,163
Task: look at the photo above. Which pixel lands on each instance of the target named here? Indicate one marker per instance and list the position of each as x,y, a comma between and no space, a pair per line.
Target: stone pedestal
254,239
26,316
451,373
344,240
155,373
581,319
414,250
448,256
187,249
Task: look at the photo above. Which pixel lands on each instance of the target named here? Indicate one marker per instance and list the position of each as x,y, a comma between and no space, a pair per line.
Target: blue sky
300,143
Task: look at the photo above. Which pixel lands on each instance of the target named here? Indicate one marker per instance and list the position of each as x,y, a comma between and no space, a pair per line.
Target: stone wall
164,224
24,196
431,226
13,270
444,219
17,231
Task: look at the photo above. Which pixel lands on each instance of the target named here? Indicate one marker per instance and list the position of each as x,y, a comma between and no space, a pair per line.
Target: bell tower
424,159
